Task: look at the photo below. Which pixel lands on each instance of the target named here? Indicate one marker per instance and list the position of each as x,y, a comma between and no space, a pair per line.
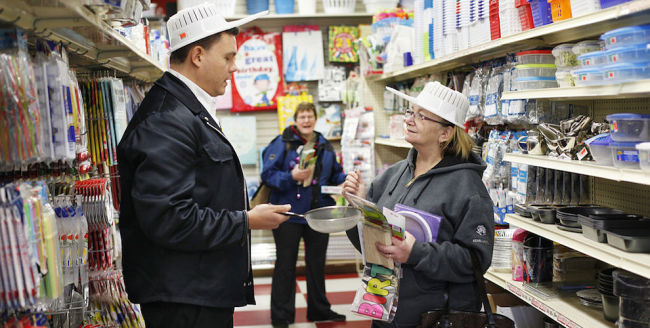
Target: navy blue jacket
278,163
183,217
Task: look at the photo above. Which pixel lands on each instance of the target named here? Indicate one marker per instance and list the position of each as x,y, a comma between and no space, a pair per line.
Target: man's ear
196,56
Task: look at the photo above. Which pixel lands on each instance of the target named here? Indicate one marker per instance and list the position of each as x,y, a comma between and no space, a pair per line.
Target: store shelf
635,89
587,168
633,262
566,309
583,27
393,143
92,43
320,19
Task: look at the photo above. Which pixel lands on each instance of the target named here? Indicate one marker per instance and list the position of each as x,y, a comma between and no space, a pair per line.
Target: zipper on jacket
241,169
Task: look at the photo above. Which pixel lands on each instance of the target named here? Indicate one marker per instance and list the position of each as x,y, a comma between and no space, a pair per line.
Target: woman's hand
300,174
354,185
399,250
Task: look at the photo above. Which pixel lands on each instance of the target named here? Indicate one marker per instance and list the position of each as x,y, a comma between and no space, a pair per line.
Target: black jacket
183,216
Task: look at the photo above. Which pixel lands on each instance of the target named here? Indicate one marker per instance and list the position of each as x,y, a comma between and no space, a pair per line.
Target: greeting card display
342,44
258,82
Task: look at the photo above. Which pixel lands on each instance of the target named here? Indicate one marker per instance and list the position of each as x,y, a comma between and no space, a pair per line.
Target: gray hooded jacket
452,189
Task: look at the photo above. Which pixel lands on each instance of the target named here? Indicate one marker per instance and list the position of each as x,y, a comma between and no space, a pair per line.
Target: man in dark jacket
185,216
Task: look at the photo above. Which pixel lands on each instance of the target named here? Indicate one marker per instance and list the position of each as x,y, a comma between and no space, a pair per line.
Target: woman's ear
446,134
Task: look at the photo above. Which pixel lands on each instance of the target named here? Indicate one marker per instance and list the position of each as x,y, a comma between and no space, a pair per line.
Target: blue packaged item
13,38
541,11
626,127
611,3
422,225
637,53
626,36
587,76
625,155
626,72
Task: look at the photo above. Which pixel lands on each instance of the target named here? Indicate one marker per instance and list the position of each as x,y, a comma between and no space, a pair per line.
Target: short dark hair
304,107
180,55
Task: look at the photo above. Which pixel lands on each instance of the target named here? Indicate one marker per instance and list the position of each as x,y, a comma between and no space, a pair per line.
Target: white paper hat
440,100
200,21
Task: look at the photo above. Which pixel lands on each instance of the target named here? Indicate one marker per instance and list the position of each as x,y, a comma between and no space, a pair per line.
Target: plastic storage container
644,155
587,76
535,70
560,10
625,127
611,3
564,78
284,6
638,53
592,59
586,46
564,56
528,83
541,10
599,149
535,57
255,6
626,72
339,6
625,155
626,36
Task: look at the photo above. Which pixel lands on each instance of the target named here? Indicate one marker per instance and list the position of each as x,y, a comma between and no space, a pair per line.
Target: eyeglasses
306,118
410,113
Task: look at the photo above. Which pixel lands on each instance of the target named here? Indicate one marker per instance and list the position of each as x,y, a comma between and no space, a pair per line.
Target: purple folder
423,225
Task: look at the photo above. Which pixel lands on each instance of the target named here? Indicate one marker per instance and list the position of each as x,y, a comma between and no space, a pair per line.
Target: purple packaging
423,225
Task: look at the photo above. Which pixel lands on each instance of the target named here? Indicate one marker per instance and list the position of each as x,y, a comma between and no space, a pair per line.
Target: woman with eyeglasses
298,182
442,176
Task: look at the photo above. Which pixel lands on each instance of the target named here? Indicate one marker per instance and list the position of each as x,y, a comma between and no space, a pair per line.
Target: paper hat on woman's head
449,104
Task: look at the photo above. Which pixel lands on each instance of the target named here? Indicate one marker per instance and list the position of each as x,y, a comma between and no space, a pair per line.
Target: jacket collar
182,92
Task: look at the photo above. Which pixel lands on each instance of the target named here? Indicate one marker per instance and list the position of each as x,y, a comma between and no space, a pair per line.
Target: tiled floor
340,292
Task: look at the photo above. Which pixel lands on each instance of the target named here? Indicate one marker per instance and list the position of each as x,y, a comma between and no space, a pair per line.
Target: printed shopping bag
258,82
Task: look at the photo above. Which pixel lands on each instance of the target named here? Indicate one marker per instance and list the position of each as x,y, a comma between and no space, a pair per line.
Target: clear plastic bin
564,56
644,155
592,59
586,46
587,76
564,78
599,149
633,54
529,83
625,155
626,36
626,127
535,57
535,70
626,72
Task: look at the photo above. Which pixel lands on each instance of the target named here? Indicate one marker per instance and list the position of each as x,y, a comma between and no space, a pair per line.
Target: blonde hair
459,144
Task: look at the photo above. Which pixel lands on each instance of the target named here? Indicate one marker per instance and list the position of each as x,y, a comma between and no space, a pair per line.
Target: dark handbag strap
480,289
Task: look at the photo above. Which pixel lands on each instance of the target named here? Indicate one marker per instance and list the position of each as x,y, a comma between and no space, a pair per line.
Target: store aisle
340,291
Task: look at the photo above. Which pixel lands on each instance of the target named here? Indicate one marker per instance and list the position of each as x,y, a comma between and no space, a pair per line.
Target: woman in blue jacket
300,187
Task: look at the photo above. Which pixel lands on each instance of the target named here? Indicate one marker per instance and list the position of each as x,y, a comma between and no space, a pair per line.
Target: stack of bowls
606,289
